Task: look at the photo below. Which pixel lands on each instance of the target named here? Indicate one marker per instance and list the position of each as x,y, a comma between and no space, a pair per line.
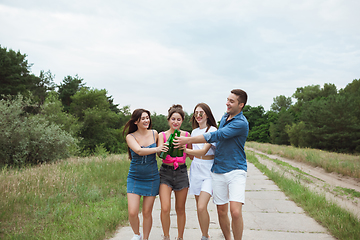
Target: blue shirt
230,141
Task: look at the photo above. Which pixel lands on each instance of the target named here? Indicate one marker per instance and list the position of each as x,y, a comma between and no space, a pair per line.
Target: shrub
27,139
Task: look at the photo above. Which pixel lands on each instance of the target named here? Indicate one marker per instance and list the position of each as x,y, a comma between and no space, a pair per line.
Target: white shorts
229,186
200,178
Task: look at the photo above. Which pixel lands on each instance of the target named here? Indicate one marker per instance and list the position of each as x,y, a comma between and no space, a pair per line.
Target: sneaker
165,238
137,237
205,238
178,238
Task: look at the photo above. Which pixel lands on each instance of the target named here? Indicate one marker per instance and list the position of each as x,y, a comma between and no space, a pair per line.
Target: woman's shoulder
184,133
154,131
212,129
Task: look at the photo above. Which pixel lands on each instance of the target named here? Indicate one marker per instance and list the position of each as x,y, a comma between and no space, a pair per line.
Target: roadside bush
27,139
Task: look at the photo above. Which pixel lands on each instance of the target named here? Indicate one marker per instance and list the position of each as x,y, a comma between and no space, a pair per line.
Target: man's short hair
241,94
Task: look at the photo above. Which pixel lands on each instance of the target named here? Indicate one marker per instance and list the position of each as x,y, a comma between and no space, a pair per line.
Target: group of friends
218,168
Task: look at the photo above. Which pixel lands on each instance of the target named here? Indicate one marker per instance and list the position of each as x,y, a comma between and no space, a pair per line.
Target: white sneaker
137,237
205,238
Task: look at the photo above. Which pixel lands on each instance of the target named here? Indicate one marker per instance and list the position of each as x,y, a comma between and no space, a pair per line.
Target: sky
152,54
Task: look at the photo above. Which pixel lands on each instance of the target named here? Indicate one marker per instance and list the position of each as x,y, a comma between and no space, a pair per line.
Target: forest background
43,122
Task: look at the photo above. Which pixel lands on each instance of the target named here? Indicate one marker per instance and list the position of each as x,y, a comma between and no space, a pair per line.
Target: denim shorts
176,179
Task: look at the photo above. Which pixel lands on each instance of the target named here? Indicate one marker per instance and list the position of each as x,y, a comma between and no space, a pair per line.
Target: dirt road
332,185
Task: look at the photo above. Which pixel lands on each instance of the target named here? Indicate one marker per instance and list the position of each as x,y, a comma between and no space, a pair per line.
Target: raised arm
178,141
134,145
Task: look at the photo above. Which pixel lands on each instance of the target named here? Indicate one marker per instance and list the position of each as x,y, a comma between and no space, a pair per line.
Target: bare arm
161,144
134,145
187,140
199,152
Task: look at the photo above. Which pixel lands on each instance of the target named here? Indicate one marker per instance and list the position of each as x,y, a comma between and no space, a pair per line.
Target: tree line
322,117
42,122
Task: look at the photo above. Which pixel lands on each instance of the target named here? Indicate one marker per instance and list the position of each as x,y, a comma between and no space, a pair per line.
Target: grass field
77,198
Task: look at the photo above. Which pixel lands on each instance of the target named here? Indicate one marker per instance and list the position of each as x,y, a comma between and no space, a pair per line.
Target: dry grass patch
345,164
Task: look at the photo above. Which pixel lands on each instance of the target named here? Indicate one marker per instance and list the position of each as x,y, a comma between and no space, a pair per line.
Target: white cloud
153,54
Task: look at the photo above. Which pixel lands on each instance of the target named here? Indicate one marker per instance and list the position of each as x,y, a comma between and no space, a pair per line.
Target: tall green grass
341,224
77,198
345,164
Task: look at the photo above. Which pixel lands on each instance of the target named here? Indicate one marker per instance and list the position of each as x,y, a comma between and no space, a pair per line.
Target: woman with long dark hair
143,178
200,179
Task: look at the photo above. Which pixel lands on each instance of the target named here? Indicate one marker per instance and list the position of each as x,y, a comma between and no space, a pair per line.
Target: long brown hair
210,121
131,127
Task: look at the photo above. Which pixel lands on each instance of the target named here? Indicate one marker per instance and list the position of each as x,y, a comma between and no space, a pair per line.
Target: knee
146,214
180,210
235,214
165,209
133,214
202,208
222,212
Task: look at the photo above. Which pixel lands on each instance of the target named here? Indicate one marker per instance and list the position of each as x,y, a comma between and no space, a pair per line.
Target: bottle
179,153
172,150
169,144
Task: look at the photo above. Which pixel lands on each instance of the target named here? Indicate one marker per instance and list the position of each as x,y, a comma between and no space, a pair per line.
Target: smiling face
200,116
144,121
233,107
175,121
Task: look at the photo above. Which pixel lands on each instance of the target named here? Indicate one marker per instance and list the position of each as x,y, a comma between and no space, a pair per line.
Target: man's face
233,106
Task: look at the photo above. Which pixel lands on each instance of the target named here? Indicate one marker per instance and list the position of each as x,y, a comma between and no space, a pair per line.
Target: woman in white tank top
203,158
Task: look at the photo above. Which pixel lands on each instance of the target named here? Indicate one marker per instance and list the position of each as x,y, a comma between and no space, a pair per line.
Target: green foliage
15,77
281,103
68,88
297,134
27,139
53,111
259,123
332,124
159,122
186,125
99,122
278,133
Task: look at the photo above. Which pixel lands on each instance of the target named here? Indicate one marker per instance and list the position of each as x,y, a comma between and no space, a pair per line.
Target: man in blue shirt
229,170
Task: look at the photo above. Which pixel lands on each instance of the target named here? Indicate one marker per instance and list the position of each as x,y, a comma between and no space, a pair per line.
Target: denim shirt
230,141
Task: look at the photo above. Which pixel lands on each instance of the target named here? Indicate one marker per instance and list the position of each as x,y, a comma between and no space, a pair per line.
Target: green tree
297,134
53,111
259,123
281,103
99,122
68,88
87,98
15,77
277,129
159,122
332,123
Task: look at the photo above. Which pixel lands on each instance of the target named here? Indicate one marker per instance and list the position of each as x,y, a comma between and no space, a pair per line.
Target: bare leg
224,220
203,215
133,209
148,203
180,199
237,223
165,200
